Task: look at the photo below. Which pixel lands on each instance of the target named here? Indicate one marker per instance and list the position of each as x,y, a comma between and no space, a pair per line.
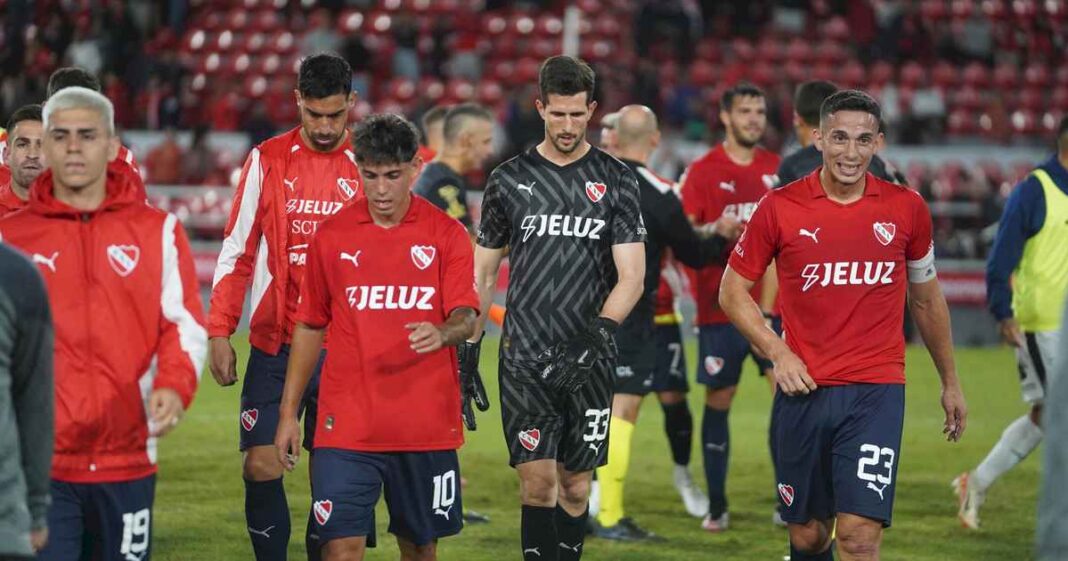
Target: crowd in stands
991,72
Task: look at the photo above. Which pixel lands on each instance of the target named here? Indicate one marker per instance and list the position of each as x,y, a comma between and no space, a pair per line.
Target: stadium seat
944,75
432,89
703,74
966,97
830,52
1037,75
852,75
1031,99
495,24
911,74
401,89
977,75
742,49
350,22
1059,98
457,91
836,29
769,49
549,25
799,51
961,122
489,92
1024,123
1006,77
881,73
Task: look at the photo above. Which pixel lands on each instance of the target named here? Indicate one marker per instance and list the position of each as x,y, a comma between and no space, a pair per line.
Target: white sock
1018,440
595,498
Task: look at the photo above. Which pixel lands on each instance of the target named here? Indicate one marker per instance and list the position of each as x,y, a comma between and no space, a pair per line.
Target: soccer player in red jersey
25,156
130,343
73,76
289,185
390,281
723,187
847,248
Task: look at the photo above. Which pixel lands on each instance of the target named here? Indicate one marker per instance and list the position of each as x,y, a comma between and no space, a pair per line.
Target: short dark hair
1062,135
385,139
324,75
808,98
741,89
434,115
565,75
25,113
70,76
460,114
850,100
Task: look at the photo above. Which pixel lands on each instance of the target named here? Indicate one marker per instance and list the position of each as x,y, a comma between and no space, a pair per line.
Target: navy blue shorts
100,521
669,375
422,494
722,350
837,450
261,394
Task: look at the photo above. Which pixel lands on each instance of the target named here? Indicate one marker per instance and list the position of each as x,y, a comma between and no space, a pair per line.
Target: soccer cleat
625,530
716,525
693,498
473,517
971,499
776,517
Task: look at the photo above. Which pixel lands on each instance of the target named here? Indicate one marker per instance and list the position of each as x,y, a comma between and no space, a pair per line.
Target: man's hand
569,362
728,227
471,387
287,441
165,408
956,412
425,337
1010,332
223,361
38,539
792,375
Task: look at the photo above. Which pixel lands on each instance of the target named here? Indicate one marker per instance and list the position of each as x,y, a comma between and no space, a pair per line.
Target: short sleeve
921,245
313,309
759,242
692,198
495,230
458,276
627,225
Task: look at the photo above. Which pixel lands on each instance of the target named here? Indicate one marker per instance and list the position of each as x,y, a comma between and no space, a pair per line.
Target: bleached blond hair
76,97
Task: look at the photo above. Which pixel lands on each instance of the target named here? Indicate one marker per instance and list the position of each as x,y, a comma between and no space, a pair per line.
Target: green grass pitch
199,509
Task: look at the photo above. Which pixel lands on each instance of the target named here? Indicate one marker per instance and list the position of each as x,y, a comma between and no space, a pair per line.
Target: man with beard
724,186
570,215
25,156
289,184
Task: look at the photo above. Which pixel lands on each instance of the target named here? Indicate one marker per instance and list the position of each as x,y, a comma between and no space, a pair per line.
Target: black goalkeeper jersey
561,223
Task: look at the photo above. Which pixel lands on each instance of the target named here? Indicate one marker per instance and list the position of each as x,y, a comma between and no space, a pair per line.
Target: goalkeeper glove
471,387
569,362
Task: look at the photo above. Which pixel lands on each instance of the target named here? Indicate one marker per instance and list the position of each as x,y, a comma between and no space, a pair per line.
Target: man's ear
540,107
593,108
817,139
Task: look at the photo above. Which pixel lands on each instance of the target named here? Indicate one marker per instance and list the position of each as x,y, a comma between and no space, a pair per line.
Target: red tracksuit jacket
128,320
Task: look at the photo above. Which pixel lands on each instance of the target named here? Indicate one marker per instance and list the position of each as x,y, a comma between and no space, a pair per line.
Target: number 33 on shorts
596,429
876,467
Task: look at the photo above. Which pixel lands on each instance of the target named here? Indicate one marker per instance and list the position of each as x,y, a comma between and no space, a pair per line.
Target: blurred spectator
198,165
225,112
115,90
361,60
164,162
258,127
84,52
321,38
975,38
406,54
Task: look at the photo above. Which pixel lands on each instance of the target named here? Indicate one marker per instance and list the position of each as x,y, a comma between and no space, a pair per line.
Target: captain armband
922,269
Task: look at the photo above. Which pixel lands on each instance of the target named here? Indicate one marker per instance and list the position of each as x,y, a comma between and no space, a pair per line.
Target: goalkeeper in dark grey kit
570,218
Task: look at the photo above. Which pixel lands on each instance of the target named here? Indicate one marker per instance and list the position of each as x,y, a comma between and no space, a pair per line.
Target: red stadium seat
1024,122
831,52
547,47
215,21
1037,75
266,21
975,74
852,75
911,74
253,43
459,91
703,74
1031,99
224,41
282,43
709,50
944,75
799,50
495,24
1049,122
881,73
432,89
597,50
521,24
268,65
1061,77
836,29
350,22
962,122
1059,98
489,92
381,23
237,20
255,86
401,90
770,50
195,41
795,71
607,28
548,25
933,10
824,71
961,9
763,74
1006,77
967,98
743,49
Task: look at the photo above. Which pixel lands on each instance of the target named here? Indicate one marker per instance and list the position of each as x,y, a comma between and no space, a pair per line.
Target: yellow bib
1041,279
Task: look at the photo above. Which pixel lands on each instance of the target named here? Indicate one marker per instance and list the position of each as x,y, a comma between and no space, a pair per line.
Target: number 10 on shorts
444,493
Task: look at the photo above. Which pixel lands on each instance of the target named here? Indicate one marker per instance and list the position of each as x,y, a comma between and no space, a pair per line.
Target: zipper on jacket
87,261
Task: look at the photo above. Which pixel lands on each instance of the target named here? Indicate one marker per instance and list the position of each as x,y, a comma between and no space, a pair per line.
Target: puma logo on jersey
528,188
355,257
49,262
443,512
727,186
877,489
574,548
843,273
595,447
561,225
532,551
291,183
811,234
382,297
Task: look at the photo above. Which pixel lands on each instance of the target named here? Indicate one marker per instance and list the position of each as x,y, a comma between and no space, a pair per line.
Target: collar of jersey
872,188
363,214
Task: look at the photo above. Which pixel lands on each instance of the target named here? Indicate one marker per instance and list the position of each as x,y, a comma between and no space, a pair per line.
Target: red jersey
9,202
714,186
286,190
366,283
842,274
127,315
